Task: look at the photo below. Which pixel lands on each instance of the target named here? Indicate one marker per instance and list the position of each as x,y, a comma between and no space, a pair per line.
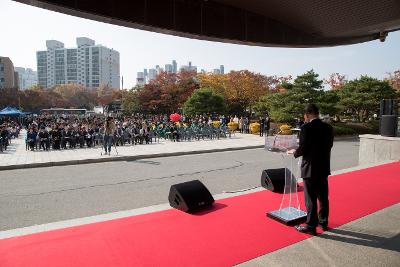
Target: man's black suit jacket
316,141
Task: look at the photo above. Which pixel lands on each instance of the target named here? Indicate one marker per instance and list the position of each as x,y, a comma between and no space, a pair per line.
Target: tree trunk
359,115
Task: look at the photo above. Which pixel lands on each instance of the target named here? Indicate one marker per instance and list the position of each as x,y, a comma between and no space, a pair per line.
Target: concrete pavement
17,157
42,199
373,240
42,195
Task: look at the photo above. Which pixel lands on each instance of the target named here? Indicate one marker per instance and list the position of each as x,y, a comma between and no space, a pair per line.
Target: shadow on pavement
363,239
213,208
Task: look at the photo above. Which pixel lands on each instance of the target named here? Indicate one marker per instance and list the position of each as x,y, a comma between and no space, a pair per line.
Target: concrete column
376,149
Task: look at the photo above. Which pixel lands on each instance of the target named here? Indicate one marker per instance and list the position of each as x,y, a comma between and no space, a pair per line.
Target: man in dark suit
261,121
316,141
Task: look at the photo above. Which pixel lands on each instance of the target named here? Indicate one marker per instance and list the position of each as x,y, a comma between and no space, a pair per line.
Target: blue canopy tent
11,112
14,113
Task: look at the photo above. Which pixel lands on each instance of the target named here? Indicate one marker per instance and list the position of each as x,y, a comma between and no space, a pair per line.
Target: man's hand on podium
290,151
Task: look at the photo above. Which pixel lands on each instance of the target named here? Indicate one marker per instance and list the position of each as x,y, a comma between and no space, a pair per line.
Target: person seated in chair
119,136
31,139
81,137
174,132
87,137
141,135
44,139
63,137
101,134
56,137
4,137
126,134
92,133
71,137
135,134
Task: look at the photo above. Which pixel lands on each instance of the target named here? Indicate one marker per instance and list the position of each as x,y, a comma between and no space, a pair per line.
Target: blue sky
24,30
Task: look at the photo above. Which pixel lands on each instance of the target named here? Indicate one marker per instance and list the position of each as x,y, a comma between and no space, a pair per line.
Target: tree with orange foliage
336,81
74,96
394,80
244,89
168,92
35,99
215,81
105,94
9,97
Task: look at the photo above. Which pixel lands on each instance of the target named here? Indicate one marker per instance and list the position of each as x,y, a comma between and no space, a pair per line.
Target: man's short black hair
311,109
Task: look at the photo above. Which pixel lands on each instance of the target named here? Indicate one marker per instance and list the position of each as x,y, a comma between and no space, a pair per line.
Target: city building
169,68
174,66
88,64
159,69
189,67
152,74
8,76
221,70
140,79
27,78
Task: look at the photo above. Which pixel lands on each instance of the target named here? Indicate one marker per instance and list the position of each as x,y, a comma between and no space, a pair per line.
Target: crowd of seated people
52,132
47,132
8,130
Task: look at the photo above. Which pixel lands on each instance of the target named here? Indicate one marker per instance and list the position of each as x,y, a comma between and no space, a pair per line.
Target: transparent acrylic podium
289,211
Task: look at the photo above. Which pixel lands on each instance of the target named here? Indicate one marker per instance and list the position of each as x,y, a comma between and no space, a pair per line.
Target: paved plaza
17,156
372,240
35,200
31,196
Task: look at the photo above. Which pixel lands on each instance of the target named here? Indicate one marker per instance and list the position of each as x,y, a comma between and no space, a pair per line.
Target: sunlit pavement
17,156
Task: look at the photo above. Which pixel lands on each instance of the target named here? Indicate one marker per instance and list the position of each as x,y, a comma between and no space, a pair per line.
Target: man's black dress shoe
324,227
306,229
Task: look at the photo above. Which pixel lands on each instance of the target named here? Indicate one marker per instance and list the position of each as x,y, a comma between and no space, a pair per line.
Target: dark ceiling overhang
286,23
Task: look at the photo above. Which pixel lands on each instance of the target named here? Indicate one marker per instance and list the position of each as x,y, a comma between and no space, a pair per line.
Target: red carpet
236,231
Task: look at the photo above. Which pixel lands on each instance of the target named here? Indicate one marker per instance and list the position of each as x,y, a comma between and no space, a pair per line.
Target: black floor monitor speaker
388,125
190,196
388,107
274,179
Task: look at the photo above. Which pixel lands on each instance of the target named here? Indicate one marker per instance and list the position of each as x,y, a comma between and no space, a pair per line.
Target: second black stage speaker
190,196
274,179
388,107
388,125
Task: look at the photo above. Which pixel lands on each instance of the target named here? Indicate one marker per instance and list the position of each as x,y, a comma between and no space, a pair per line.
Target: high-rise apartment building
221,70
8,76
189,67
140,79
152,74
169,68
159,69
174,66
89,64
27,78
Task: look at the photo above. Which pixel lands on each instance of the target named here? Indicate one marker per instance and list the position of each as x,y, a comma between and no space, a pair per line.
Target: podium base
288,216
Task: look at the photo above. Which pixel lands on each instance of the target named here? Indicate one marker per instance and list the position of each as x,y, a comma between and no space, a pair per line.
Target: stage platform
236,230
